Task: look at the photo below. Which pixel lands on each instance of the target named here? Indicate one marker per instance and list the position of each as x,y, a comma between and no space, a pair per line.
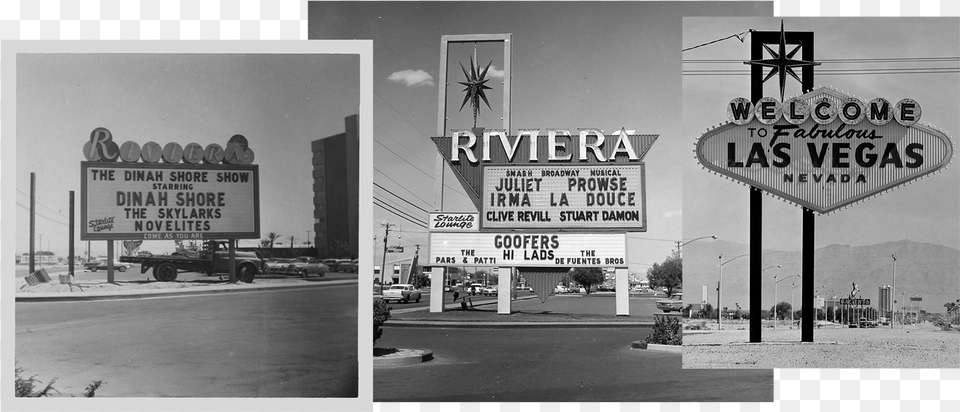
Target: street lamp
680,245
775,303
720,290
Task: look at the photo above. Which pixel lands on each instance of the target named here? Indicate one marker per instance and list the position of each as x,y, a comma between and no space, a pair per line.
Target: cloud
495,72
412,78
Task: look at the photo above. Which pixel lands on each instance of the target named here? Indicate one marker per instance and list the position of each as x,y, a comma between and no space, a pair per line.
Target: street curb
420,356
505,325
170,292
657,347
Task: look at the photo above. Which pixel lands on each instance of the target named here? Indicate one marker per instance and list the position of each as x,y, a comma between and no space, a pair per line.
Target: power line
404,146
42,215
401,116
41,204
740,36
398,197
412,214
845,61
401,186
403,158
399,213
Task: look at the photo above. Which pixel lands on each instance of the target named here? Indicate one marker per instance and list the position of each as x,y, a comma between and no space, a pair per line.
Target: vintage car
277,265
102,264
347,265
332,264
673,303
490,291
401,292
306,266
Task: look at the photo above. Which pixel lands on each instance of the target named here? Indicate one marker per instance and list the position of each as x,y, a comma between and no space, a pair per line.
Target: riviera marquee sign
588,197
824,150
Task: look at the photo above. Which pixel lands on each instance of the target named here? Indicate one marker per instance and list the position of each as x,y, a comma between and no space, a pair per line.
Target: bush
381,312
666,331
27,387
696,326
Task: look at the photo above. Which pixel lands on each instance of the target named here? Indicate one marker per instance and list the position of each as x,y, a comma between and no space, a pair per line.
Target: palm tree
291,241
271,237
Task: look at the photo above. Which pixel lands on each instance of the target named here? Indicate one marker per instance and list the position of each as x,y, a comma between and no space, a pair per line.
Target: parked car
306,266
350,266
332,264
474,289
102,264
560,289
673,303
401,292
276,265
491,291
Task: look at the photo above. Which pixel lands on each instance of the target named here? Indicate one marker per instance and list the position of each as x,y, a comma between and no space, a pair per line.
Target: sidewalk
133,285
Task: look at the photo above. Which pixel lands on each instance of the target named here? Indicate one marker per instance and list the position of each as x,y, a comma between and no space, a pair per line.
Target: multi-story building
336,191
885,300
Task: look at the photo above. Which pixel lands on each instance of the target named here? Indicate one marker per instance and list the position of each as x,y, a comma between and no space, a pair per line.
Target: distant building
885,300
336,192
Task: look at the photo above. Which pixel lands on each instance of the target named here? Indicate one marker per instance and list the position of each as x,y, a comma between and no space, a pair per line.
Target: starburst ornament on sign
782,62
475,85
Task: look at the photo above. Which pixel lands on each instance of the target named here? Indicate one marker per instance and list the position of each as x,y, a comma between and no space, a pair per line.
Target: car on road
401,292
863,322
560,289
102,264
673,303
491,291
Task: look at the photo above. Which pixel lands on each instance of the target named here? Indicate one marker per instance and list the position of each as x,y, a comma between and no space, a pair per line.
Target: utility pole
383,264
33,220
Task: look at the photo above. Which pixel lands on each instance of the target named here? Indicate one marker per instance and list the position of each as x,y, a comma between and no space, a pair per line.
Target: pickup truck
401,292
214,259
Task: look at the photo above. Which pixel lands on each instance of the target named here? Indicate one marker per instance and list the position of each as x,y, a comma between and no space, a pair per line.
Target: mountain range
927,270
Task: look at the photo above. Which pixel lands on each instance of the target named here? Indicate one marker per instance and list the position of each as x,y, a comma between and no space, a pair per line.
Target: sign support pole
808,315
758,39
232,250
110,259
623,291
70,242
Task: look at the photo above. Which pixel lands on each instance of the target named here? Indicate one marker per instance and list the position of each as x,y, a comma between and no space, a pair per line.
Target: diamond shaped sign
824,150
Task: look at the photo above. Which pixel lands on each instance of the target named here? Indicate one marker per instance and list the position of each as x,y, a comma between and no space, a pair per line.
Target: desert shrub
27,387
381,312
696,326
666,331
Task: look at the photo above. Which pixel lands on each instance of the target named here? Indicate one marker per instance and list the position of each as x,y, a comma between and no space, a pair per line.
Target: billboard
591,197
528,249
824,150
153,201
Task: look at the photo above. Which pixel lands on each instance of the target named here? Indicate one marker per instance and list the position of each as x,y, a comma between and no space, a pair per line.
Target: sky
927,211
575,65
279,102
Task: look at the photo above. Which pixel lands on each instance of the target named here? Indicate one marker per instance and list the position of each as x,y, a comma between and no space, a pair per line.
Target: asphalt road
553,365
287,343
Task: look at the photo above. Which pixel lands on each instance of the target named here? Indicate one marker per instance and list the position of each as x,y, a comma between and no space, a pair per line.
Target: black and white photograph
186,220
824,164
527,201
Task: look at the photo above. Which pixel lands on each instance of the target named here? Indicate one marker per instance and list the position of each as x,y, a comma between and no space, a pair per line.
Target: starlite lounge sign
824,150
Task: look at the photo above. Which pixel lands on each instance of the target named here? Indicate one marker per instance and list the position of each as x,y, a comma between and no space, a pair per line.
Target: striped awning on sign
543,283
